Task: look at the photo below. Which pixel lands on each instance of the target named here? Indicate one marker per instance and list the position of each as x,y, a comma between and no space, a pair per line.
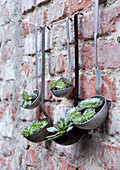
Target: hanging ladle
98,119
42,133
75,134
66,91
36,102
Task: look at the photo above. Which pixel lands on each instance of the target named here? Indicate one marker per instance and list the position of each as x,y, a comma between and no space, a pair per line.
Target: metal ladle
42,133
98,119
66,91
36,102
75,134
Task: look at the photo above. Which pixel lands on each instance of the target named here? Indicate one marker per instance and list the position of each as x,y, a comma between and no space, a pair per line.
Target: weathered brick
29,46
7,91
7,52
57,11
9,73
4,16
1,73
108,156
29,157
114,122
86,54
27,5
40,2
46,161
38,18
64,164
75,5
2,109
6,148
108,18
108,54
87,87
56,64
6,125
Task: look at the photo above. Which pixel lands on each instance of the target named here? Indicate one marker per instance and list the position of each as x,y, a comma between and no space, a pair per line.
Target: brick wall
100,149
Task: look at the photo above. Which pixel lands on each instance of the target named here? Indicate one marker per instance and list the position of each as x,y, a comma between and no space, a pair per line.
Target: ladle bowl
41,134
71,137
36,102
63,92
98,119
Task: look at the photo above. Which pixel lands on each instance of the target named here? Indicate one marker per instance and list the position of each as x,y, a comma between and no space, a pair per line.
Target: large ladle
98,119
75,134
36,102
66,91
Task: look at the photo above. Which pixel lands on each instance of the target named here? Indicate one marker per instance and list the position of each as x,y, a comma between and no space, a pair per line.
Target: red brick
25,68
2,162
46,160
57,11
39,18
56,64
108,55
29,157
64,164
25,27
75,5
6,149
108,156
86,57
2,109
13,110
108,18
87,87
7,53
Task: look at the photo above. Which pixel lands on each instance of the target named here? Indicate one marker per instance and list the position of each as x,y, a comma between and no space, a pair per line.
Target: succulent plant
90,103
26,99
60,84
60,128
51,85
34,127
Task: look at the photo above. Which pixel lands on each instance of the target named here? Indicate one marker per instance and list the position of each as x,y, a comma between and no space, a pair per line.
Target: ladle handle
68,48
76,59
43,72
95,47
36,59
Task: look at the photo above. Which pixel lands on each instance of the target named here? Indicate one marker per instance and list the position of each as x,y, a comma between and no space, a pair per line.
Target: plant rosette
64,132
61,88
29,100
89,114
37,130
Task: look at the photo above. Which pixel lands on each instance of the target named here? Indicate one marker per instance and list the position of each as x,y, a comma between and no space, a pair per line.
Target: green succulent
60,84
34,127
67,82
88,114
51,85
91,103
60,128
26,99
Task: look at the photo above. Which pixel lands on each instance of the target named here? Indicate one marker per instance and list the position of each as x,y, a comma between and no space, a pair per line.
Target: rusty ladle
36,102
66,91
98,119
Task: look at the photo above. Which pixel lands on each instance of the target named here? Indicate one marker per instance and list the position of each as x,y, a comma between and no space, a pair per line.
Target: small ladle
75,134
36,102
42,133
66,91
98,119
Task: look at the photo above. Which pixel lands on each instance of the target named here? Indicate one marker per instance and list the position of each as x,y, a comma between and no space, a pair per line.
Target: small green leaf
52,129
